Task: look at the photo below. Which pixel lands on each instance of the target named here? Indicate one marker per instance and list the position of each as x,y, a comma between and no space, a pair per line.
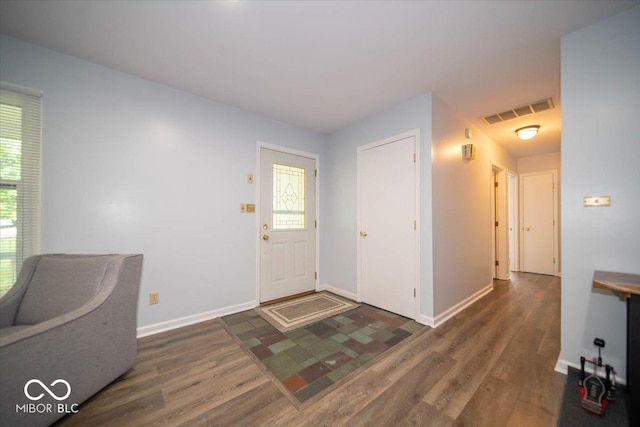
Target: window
20,124
288,198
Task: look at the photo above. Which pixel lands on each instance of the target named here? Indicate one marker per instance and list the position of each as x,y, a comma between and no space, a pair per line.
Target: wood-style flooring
491,365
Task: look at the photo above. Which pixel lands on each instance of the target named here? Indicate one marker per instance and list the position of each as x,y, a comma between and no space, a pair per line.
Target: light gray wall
600,76
339,246
545,162
134,166
461,208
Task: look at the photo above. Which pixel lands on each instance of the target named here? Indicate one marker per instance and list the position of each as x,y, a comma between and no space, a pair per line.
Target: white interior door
512,190
287,224
538,222
387,206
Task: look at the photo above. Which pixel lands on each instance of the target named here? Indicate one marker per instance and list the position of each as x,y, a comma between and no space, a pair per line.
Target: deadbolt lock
265,227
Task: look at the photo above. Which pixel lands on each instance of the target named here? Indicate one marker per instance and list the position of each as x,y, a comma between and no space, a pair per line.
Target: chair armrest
88,347
10,302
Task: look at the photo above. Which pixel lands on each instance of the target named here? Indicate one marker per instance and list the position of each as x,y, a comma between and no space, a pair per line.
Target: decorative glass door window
288,198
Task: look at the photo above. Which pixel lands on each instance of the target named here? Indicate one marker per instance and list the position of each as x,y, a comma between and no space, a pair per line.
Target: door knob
363,234
265,237
527,228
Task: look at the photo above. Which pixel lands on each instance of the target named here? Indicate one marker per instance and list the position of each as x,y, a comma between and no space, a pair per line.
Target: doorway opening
499,223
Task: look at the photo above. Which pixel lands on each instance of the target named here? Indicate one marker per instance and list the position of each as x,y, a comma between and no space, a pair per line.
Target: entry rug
572,415
289,315
310,361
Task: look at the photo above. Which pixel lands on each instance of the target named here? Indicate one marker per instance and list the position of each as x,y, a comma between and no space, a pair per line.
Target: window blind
20,142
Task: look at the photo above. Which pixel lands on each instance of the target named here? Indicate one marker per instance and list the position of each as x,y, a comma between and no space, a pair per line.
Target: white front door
538,222
287,224
387,235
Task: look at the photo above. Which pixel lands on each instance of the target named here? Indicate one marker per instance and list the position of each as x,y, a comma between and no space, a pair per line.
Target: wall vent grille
535,107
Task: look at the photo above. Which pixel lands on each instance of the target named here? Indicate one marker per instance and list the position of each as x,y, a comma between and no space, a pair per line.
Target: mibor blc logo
35,390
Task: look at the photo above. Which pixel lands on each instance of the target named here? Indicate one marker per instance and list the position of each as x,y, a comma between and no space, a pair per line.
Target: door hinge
316,275
315,223
414,292
415,225
496,223
495,183
414,157
497,262
316,173
554,260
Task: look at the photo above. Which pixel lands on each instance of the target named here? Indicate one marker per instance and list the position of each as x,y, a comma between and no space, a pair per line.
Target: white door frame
513,218
416,135
502,272
554,172
258,230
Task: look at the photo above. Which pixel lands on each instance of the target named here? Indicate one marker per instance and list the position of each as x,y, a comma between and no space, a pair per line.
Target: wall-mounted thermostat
597,201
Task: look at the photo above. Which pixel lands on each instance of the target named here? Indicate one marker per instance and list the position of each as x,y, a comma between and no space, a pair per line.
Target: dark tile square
313,372
401,333
261,351
393,341
354,345
313,389
319,329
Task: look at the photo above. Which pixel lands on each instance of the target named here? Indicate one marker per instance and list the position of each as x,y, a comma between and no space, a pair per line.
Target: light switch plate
597,201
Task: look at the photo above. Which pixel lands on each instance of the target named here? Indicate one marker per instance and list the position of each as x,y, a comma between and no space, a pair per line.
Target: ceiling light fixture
527,132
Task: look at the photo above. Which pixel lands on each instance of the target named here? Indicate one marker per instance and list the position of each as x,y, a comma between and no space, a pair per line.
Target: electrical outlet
154,298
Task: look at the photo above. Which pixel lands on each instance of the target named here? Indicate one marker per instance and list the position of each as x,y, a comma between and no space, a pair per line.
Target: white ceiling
322,65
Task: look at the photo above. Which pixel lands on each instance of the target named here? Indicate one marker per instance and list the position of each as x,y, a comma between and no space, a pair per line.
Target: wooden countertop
627,284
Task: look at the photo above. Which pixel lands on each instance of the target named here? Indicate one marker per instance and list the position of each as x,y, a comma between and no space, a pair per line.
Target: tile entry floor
309,359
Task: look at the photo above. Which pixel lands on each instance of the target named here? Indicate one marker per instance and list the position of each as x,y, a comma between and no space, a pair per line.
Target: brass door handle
265,237
363,234
527,228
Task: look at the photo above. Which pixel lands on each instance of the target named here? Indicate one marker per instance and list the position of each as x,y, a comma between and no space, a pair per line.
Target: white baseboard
338,291
168,325
562,366
426,320
449,313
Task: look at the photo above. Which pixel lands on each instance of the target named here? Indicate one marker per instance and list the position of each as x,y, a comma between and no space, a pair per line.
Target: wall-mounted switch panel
154,298
597,201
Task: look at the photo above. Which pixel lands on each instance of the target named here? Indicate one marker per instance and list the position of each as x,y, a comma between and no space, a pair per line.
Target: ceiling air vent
535,107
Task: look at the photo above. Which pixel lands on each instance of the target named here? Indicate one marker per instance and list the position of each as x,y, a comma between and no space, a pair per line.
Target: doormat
572,415
289,315
309,362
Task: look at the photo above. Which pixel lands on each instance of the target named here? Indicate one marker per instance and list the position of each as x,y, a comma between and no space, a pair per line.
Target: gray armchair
67,329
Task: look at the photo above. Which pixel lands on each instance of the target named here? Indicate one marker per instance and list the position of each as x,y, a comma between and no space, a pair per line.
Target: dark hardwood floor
491,365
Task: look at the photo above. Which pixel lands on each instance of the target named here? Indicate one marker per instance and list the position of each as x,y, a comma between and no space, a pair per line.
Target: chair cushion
60,285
